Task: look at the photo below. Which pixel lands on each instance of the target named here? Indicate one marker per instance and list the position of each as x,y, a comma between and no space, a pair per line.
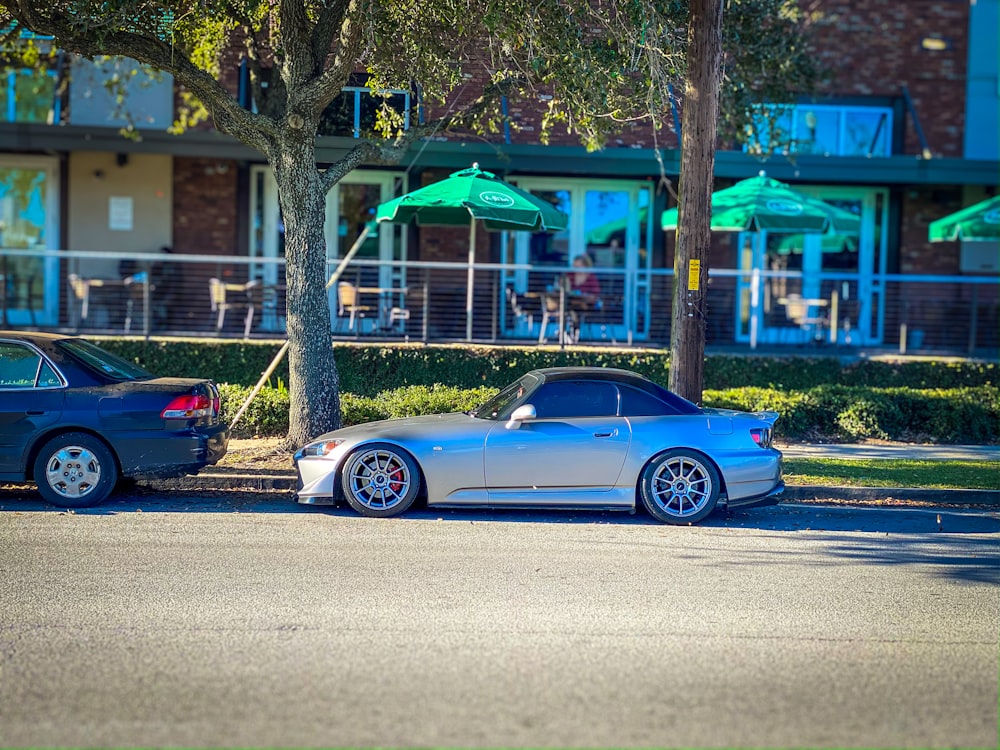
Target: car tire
680,487
380,480
75,470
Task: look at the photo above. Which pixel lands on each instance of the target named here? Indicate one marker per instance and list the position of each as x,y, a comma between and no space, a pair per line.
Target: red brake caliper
396,485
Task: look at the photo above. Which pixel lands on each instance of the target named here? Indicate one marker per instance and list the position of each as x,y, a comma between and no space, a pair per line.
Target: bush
370,369
957,415
817,398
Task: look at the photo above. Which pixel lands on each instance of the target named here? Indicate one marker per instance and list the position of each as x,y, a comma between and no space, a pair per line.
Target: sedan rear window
104,363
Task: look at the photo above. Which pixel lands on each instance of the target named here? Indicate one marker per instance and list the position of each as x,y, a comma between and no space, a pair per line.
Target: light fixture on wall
935,43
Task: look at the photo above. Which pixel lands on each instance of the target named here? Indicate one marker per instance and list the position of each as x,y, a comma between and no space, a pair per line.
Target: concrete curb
793,493
819,493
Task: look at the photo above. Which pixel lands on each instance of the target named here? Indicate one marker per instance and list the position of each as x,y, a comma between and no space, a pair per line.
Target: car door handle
609,433
35,412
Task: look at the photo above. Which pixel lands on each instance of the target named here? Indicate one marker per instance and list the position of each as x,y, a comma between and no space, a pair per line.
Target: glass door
806,288
29,222
610,230
349,206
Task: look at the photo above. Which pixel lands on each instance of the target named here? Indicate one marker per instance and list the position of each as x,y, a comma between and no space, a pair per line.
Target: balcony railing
234,296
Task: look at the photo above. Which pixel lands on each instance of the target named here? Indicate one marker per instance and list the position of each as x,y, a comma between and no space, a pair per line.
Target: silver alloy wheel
73,471
379,479
682,486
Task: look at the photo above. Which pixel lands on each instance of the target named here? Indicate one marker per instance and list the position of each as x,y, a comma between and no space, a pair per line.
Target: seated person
583,283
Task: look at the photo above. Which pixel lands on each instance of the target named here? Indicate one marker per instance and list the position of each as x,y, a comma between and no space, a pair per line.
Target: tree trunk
699,127
314,386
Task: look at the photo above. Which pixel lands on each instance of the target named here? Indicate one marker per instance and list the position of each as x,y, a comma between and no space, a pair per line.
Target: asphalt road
224,620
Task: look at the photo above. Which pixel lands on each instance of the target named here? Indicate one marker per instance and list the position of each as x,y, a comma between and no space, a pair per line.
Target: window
28,96
568,398
504,402
636,403
23,367
107,364
831,130
355,111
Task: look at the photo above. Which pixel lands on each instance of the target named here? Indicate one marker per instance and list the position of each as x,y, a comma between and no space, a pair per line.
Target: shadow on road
957,543
789,517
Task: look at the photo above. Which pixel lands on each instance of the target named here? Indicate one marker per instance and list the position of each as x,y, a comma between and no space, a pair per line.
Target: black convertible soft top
634,379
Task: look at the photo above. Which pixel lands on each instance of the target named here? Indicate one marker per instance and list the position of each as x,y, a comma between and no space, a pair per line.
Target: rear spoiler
767,416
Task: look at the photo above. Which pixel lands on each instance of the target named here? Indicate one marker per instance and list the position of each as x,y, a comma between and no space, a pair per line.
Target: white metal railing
169,294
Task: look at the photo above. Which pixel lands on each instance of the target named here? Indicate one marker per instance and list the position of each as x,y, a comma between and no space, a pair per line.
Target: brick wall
205,223
205,207
916,254
867,49
873,48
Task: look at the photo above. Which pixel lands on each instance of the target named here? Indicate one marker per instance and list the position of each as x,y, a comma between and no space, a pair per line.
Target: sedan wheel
75,470
380,480
680,487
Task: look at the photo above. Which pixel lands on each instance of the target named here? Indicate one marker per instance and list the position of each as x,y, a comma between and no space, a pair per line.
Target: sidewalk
214,478
893,450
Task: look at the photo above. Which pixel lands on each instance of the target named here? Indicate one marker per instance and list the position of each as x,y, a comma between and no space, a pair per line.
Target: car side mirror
521,414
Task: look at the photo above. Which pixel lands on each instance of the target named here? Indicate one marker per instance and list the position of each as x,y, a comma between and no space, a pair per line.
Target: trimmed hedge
369,369
819,398
844,413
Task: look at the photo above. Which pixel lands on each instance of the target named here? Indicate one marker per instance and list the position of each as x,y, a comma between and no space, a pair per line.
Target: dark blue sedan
76,419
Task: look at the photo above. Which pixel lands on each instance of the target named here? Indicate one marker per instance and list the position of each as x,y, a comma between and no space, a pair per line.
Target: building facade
904,131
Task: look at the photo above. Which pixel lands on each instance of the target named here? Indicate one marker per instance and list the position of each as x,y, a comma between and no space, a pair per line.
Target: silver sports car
565,437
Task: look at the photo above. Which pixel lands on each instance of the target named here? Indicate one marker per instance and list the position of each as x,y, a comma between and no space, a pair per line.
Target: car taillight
761,436
188,407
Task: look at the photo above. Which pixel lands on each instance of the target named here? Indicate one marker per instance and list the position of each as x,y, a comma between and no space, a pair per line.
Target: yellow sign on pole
694,275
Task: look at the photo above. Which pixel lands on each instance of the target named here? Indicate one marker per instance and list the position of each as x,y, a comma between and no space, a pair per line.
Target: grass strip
836,472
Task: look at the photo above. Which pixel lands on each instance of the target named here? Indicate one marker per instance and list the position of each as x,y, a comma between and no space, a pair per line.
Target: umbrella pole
470,280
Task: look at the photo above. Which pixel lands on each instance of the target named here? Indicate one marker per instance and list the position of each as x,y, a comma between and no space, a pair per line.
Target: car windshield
105,363
503,403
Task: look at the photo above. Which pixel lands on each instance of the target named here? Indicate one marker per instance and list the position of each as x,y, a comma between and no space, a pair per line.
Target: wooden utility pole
699,126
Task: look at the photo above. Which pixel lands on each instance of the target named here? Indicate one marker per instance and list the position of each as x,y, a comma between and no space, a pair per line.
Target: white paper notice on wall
120,213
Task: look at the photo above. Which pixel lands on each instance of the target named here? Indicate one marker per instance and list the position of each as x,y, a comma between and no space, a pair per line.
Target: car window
23,367
104,363
636,403
575,398
500,406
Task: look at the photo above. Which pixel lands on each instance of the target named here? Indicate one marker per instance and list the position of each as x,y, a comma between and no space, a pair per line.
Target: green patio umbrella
764,204
978,223
467,196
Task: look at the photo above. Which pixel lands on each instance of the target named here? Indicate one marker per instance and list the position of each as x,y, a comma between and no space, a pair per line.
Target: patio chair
800,311
524,320
80,293
349,305
225,297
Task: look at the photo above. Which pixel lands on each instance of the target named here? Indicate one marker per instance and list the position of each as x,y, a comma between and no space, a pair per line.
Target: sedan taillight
761,436
191,406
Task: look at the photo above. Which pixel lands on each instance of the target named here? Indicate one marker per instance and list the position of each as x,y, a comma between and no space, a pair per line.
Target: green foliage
841,413
370,369
412,401
238,363
267,414
851,413
880,472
